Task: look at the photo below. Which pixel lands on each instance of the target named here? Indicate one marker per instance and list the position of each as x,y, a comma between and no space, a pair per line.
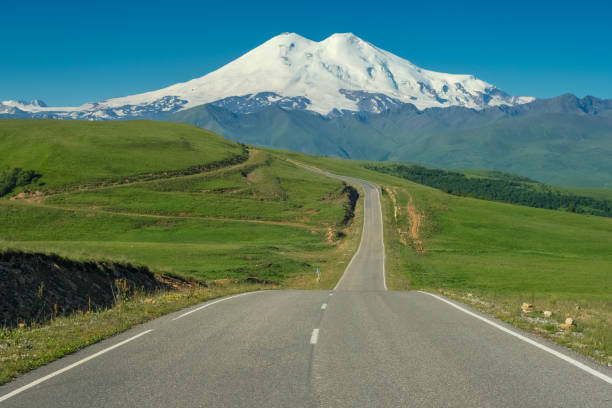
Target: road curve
366,271
357,346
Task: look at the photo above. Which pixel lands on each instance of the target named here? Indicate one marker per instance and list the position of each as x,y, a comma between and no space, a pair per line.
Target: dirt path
172,217
415,220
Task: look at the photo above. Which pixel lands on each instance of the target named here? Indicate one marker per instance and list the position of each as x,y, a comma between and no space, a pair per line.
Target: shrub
15,177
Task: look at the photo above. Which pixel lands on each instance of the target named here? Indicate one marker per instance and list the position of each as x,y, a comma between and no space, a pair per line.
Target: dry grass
593,319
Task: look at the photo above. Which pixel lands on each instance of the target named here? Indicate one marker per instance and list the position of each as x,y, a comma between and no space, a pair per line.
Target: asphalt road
366,269
356,346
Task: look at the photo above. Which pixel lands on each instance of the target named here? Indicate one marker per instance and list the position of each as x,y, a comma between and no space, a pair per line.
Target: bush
16,177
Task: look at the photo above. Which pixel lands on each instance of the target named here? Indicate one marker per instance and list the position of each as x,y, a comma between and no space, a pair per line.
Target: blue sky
68,53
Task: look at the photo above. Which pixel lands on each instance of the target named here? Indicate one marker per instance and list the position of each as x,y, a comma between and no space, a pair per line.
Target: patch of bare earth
32,197
411,236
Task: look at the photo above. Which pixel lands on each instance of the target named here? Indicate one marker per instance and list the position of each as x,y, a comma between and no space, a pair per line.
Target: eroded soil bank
35,287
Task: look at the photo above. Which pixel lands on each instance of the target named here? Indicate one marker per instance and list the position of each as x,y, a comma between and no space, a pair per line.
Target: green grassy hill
69,153
173,197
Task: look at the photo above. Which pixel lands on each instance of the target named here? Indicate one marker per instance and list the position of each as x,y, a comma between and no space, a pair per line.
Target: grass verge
25,348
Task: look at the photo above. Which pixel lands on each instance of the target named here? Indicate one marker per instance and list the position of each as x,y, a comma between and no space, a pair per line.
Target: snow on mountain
340,73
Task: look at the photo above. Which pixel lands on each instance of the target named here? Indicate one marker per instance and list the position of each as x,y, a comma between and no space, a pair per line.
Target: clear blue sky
68,53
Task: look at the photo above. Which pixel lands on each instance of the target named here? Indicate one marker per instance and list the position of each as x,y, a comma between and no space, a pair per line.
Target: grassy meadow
260,219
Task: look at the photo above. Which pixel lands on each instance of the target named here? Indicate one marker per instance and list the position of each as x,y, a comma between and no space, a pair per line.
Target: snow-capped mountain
339,74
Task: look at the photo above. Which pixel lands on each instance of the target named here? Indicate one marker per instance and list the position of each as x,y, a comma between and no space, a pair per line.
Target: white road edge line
555,353
315,336
213,303
71,366
324,306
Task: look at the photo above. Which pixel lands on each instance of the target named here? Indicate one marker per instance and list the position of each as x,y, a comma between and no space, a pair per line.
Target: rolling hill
173,197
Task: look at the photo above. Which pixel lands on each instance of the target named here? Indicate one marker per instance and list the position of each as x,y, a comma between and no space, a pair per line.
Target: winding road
356,346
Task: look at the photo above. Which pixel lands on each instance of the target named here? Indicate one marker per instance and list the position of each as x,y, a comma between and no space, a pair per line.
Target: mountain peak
287,36
344,36
340,73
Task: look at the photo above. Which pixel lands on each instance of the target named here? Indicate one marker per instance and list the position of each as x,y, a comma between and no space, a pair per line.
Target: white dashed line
315,336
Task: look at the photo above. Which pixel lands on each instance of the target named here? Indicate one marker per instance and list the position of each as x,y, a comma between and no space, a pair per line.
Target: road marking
71,366
324,306
212,303
315,336
555,353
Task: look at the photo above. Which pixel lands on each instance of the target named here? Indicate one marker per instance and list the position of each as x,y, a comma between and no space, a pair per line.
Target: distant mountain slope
563,141
341,73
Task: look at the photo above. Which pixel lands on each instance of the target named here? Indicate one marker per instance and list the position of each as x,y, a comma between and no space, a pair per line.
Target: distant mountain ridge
564,140
340,74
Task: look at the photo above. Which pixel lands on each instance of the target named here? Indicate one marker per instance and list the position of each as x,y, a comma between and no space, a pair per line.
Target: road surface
356,346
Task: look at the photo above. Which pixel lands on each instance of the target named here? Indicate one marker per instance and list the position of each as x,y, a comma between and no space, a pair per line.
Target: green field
262,219
496,256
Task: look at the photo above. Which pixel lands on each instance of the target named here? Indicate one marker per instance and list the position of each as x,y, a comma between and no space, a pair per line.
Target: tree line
504,190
